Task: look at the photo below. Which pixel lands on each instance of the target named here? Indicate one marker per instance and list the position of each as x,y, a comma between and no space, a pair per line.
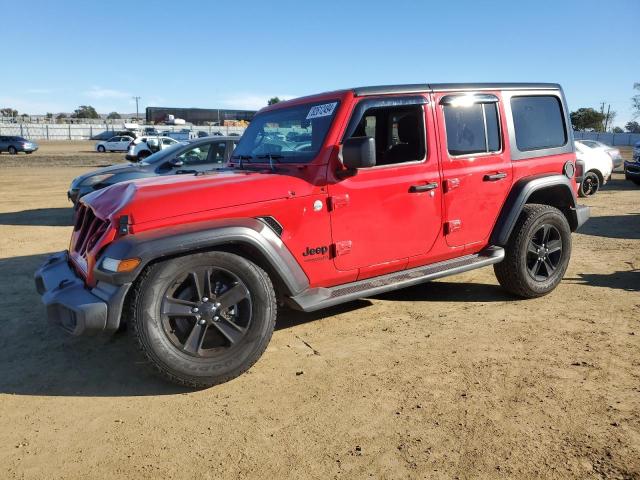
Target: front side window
472,129
398,131
292,134
538,122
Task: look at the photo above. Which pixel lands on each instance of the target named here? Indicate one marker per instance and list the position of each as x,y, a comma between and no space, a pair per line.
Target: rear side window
538,122
472,129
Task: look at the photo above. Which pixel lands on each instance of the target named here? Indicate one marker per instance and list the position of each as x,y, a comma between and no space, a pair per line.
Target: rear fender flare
554,190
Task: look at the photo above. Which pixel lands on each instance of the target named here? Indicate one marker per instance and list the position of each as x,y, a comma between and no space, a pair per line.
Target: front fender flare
184,239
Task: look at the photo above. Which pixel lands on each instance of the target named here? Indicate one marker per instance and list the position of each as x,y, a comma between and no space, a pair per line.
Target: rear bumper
581,214
131,158
71,305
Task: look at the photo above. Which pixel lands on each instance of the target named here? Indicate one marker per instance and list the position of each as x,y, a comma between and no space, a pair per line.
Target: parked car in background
632,168
202,134
613,152
14,145
182,135
115,144
151,131
598,166
180,158
141,148
107,134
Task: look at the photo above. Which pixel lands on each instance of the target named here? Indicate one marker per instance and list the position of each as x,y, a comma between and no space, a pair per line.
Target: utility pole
138,115
606,119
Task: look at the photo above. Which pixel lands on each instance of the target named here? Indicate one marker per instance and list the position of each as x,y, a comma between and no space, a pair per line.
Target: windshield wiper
272,157
241,158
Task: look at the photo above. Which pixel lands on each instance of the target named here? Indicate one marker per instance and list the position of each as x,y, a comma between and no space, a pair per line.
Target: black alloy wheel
206,311
589,185
544,252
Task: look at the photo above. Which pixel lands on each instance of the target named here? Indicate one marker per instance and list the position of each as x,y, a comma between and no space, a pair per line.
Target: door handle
423,188
494,177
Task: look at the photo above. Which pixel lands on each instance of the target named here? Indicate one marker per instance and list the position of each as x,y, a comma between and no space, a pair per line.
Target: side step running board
317,298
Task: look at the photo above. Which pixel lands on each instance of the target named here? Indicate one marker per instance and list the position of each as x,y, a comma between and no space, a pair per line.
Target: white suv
141,148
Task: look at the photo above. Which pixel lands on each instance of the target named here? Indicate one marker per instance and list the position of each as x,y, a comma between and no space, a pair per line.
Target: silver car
14,145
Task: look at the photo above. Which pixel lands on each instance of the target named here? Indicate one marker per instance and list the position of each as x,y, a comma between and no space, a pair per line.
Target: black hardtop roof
445,87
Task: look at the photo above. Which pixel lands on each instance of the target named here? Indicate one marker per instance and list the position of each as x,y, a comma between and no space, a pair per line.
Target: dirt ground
452,379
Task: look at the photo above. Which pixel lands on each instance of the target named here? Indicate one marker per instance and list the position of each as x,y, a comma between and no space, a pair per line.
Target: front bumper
74,307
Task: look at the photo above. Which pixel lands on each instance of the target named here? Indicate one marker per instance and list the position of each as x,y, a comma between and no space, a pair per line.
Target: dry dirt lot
452,379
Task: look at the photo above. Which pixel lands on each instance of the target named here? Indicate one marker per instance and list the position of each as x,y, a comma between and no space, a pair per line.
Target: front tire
589,185
101,149
537,253
205,318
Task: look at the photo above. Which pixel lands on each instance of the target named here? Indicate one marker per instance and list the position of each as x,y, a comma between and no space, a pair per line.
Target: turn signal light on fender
114,265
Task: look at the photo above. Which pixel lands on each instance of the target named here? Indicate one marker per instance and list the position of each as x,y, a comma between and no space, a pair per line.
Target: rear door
476,165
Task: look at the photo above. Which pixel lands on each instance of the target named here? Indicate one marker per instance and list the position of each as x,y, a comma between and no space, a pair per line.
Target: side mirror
176,162
359,152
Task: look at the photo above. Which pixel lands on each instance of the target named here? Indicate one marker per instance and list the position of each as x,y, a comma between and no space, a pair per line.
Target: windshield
293,134
164,154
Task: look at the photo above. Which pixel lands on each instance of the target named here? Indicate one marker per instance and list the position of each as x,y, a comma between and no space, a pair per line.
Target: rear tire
589,185
143,154
636,181
12,150
537,253
189,330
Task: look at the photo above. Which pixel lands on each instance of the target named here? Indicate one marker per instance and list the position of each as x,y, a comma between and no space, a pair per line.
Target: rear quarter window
538,122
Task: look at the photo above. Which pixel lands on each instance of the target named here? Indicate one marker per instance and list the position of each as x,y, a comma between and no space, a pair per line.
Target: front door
476,166
385,214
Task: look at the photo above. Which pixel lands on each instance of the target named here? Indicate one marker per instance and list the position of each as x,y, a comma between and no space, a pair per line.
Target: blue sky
58,55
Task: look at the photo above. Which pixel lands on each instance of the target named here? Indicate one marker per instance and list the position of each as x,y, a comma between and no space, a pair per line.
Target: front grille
88,229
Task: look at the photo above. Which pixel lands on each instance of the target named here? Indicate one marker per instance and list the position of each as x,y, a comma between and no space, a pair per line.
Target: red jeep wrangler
326,199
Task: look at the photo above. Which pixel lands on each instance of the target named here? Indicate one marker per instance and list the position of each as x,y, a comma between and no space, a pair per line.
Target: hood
117,168
156,198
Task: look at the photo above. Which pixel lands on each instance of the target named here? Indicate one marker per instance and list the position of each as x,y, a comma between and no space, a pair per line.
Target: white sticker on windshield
322,110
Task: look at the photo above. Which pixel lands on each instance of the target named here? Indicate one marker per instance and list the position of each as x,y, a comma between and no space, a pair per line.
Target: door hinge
451,226
337,201
342,248
451,183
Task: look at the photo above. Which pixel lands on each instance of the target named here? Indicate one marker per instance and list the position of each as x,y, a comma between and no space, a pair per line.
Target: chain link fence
84,131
